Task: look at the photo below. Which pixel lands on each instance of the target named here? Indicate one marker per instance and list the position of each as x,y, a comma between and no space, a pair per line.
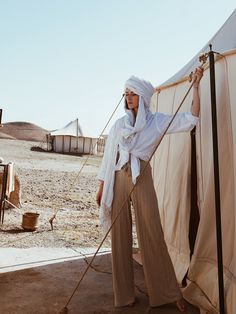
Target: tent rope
65,309
6,201
168,156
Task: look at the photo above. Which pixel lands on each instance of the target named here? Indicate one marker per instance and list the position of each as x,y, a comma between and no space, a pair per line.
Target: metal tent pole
216,181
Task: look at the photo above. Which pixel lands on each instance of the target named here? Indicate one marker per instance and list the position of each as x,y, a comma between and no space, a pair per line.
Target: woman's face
132,100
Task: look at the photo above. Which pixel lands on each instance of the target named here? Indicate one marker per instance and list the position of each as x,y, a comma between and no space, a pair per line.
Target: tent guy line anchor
203,59
64,310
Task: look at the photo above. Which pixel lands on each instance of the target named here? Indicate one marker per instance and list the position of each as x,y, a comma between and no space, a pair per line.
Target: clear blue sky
62,59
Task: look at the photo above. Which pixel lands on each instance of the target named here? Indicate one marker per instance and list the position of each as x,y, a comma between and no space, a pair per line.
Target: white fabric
172,180
10,178
135,143
72,128
134,126
141,88
223,40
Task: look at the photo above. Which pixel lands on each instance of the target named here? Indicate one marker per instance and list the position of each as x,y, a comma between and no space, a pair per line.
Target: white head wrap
141,88
134,125
145,91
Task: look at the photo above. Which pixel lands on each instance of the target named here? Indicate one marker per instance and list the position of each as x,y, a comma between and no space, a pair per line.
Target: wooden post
3,191
216,181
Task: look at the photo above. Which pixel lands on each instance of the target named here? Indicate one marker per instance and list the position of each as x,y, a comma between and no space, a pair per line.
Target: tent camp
183,176
70,139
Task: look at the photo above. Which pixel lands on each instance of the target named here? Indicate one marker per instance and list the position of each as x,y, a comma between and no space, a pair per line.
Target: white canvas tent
72,128
70,139
173,172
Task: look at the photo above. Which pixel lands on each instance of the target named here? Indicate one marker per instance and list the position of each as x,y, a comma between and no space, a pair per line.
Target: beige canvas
172,171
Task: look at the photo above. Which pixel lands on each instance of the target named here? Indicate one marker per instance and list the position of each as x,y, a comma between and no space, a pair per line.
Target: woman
130,144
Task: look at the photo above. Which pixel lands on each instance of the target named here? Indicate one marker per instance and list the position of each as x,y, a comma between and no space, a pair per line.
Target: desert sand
50,183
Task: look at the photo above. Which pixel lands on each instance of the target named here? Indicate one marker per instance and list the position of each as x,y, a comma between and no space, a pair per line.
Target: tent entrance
194,210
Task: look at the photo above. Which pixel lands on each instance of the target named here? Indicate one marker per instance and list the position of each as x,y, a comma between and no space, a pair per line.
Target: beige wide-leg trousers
159,273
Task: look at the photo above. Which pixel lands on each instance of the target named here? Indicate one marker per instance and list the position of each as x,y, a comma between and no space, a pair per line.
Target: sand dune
6,136
23,131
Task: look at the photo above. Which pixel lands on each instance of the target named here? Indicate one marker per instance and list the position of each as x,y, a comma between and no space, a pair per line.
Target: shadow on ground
46,290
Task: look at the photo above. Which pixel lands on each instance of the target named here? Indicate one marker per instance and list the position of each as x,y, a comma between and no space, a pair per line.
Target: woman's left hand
197,76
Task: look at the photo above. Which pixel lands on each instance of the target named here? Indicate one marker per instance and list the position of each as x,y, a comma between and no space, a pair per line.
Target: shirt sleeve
183,122
107,154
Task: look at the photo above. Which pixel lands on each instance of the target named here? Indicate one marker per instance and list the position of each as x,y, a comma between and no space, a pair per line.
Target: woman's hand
197,76
99,193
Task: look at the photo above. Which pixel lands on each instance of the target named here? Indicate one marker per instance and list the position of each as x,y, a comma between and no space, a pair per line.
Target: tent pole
0,117
77,135
216,181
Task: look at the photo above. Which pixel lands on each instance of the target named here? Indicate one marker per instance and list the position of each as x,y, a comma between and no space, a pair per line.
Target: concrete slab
46,290
18,258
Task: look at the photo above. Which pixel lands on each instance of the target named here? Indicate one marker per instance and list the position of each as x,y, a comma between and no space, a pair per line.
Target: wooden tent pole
216,181
3,192
77,135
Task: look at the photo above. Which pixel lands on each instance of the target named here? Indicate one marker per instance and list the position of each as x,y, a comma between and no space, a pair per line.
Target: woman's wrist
101,185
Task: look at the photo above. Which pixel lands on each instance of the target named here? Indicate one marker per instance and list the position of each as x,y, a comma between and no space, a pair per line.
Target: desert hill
22,131
6,136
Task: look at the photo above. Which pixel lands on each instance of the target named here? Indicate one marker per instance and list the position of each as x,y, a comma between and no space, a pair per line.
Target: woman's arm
99,193
108,152
195,109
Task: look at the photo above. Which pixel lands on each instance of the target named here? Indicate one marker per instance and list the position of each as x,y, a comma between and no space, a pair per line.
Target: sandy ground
50,182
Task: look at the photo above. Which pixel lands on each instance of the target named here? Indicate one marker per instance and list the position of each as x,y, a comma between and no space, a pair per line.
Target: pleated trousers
158,270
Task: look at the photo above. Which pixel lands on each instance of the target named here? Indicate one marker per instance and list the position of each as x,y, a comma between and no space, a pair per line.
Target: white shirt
145,142
140,146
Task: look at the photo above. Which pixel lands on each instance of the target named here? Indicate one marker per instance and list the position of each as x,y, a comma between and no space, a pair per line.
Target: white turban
134,125
141,88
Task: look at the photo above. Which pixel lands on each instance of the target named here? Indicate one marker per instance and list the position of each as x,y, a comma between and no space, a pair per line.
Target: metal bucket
30,221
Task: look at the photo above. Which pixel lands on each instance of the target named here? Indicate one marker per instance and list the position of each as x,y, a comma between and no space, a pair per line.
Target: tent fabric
203,266
172,173
224,40
76,145
73,129
10,178
70,139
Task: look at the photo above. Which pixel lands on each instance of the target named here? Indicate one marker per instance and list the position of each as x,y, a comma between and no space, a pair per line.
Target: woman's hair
126,105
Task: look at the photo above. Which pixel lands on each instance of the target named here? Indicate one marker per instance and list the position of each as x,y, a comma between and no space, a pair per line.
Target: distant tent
180,163
72,128
70,139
